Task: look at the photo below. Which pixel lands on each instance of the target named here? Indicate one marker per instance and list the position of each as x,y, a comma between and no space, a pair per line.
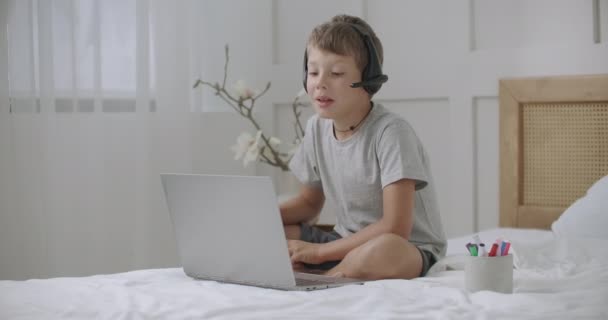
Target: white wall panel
602,26
246,26
485,113
523,23
416,54
487,67
295,20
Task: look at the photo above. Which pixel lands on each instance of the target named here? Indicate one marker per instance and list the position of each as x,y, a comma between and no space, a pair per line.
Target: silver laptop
229,229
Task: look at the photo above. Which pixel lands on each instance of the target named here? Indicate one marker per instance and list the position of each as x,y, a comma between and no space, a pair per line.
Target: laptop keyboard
315,282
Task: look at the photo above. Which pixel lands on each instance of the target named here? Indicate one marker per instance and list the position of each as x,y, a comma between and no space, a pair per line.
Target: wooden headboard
553,145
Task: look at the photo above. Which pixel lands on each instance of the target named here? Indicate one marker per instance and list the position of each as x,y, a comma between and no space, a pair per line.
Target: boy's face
328,84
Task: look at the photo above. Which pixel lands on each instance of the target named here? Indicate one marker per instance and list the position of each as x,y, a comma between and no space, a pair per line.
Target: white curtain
97,102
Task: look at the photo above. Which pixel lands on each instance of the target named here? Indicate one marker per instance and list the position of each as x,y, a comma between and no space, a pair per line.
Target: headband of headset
372,77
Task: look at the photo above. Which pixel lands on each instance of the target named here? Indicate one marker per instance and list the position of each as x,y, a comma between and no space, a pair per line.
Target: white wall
78,192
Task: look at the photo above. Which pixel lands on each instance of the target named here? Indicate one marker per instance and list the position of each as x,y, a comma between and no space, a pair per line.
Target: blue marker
503,245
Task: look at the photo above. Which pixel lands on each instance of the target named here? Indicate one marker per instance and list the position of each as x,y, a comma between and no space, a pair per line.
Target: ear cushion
372,77
305,75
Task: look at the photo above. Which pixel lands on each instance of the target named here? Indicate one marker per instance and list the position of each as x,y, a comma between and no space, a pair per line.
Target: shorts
315,235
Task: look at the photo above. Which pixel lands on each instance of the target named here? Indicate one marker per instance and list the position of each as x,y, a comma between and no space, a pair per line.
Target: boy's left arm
397,218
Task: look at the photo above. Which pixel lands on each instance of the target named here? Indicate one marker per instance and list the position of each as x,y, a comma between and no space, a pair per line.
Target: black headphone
372,77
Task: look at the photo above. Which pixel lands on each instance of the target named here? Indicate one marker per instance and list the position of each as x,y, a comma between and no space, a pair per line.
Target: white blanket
555,279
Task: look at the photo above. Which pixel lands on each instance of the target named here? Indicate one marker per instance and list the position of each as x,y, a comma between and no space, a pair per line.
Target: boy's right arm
305,206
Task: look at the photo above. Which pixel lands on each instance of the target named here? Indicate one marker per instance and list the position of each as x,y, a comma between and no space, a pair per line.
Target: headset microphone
376,81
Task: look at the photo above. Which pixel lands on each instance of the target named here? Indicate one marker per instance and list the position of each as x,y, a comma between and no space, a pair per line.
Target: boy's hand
304,252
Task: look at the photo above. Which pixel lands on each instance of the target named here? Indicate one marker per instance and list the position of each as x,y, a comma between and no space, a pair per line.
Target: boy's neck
345,128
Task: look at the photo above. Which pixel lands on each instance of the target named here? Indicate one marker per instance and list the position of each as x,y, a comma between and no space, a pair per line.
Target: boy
367,160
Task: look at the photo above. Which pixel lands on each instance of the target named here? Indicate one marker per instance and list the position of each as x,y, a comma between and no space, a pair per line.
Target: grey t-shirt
353,172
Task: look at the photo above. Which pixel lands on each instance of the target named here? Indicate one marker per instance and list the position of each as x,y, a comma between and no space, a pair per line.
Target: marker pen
493,250
482,250
474,250
507,245
503,244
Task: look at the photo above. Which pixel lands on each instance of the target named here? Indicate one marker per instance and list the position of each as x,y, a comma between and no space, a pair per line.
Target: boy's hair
338,36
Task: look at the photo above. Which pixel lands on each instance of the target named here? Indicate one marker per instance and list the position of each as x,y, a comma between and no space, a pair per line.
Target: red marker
493,250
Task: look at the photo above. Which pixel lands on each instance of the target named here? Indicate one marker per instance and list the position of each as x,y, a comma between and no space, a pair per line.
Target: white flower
242,144
242,91
247,147
274,142
253,153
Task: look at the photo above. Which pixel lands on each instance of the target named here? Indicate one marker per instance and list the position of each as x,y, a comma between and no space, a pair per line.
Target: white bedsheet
555,279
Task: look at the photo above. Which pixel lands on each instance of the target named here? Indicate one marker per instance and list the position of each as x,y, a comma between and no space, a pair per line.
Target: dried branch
244,105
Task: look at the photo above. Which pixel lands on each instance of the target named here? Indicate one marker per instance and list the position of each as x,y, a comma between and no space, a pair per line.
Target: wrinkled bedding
554,278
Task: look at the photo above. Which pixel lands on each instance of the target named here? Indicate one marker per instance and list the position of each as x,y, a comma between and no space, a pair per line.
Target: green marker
474,250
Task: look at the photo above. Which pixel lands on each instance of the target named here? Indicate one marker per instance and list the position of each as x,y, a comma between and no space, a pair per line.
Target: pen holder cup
489,273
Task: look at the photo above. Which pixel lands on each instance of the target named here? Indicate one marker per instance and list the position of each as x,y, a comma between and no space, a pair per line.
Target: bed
561,263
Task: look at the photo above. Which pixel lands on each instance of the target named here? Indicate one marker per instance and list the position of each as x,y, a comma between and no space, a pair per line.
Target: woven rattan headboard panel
553,145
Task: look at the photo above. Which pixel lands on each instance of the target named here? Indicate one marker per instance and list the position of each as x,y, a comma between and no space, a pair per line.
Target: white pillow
587,216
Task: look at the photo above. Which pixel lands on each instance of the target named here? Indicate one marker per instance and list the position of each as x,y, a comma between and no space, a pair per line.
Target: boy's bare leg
388,256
